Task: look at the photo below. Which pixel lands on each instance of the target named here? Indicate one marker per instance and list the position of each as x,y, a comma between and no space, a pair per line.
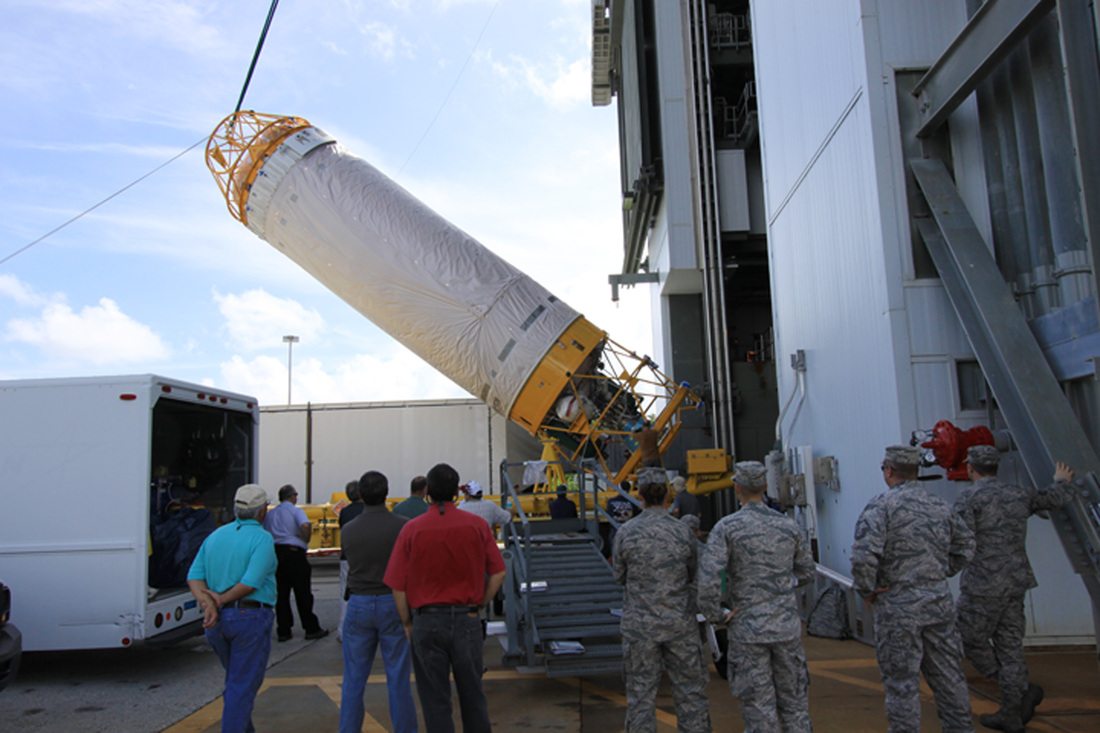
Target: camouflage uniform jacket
997,513
763,553
910,541
655,559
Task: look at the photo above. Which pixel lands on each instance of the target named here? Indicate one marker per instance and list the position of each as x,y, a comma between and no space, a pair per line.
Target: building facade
864,218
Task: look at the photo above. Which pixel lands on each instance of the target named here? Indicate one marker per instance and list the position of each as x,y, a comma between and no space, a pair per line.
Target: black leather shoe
284,637
1032,698
318,634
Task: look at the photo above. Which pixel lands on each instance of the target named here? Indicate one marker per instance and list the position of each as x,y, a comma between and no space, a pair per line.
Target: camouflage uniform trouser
904,652
772,684
992,630
682,657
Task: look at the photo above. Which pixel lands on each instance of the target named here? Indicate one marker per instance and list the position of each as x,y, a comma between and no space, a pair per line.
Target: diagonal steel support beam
990,36
1037,412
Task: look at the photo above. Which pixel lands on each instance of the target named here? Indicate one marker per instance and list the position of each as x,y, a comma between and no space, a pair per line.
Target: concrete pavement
302,693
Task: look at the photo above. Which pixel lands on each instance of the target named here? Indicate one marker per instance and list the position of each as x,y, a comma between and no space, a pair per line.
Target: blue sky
498,135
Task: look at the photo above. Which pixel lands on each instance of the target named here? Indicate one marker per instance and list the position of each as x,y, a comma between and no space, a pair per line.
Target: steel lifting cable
240,101
256,55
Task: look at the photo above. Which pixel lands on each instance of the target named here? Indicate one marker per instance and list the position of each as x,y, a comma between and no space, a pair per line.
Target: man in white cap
233,579
685,504
487,510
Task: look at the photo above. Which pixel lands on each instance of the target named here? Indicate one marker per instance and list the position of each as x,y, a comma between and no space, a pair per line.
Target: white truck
108,485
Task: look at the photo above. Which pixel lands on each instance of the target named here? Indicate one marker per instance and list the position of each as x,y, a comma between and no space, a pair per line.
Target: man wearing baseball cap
233,579
764,555
487,510
993,586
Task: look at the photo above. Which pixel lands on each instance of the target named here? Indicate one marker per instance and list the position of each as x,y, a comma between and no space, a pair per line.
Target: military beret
983,456
750,474
903,455
652,476
691,520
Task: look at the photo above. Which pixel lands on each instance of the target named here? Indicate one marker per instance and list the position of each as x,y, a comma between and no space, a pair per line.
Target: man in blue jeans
372,618
233,579
444,568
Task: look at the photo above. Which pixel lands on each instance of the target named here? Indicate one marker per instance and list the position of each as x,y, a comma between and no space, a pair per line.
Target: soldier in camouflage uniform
655,559
761,551
991,603
907,543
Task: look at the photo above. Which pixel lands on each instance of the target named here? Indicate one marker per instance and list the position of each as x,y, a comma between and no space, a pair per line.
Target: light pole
289,341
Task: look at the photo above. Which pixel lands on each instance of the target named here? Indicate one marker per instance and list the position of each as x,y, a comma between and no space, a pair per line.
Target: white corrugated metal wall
402,440
880,346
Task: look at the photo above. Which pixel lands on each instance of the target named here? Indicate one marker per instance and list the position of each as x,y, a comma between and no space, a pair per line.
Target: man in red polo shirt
438,572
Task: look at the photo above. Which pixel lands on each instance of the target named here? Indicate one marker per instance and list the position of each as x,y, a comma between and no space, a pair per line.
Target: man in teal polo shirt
233,579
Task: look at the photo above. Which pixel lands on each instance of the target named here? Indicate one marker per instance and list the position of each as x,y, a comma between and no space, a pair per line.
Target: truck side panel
75,467
96,476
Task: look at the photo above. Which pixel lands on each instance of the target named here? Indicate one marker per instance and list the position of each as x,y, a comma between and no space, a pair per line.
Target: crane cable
240,101
256,55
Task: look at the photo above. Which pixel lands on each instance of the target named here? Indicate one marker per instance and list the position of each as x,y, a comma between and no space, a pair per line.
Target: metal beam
1039,417
1078,28
990,36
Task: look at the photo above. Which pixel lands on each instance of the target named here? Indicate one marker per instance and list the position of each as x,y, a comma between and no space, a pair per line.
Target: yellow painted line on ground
199,720
207,716
597,691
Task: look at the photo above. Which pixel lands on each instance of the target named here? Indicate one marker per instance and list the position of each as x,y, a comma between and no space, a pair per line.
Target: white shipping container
322,447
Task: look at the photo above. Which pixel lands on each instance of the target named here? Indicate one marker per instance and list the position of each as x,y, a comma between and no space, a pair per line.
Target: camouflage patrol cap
983,457
903,455
691,520
750,474
652,476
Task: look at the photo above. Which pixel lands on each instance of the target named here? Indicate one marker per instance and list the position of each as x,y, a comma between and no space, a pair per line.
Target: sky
480,108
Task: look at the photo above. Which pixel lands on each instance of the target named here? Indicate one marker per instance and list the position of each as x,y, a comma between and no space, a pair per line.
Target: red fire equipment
949,445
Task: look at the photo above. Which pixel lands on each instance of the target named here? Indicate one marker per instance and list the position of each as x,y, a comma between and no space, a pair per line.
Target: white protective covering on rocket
461,308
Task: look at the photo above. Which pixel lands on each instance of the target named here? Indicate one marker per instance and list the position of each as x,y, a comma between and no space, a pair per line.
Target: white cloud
20,292
178,24
399,375
100,334
159,152
381,39
562,84
258,320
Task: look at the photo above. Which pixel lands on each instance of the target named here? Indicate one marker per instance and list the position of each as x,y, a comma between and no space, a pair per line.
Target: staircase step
578,632
575,620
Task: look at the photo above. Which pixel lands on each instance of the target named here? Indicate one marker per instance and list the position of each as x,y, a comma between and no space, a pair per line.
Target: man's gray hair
248,512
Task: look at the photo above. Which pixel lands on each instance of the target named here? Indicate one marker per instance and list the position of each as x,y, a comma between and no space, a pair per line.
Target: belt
289,547
246,604
446,609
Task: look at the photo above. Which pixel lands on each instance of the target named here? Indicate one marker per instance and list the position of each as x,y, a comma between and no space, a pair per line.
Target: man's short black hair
352,491
442,482
418,486
373,488
287,491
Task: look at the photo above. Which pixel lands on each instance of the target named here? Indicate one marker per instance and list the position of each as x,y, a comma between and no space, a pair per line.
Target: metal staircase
561,601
